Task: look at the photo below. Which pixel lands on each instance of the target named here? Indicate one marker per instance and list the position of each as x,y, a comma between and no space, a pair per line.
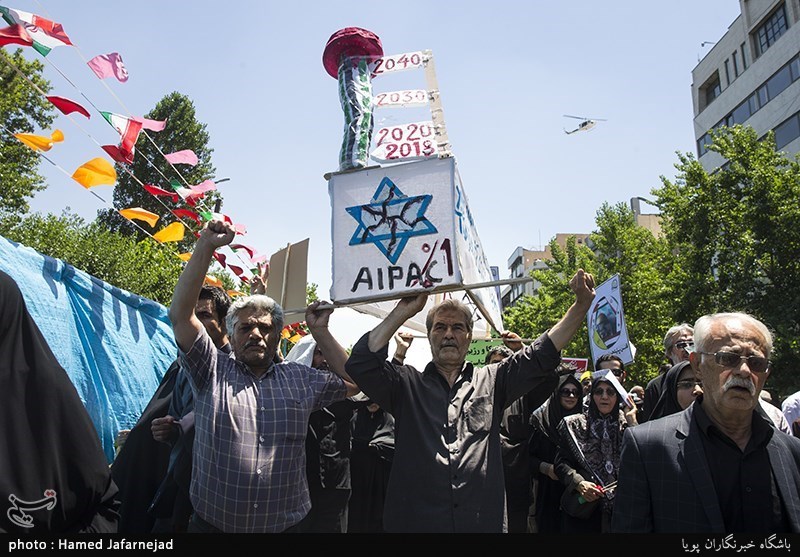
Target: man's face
318,361
496,357
207,314
449,338
678,351
729,388
254,341
615,367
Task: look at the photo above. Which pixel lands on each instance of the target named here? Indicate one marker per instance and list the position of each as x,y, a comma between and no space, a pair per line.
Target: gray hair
673,333
702,329
450,304
258,302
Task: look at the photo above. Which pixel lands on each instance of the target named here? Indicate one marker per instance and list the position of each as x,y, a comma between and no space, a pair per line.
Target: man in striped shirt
251,414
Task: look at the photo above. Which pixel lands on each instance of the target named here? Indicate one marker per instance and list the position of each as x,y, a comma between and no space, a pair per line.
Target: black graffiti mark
392,221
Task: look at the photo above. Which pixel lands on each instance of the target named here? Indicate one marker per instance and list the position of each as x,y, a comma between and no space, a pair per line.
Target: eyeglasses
568,392
617,371
689,384
684,345
757,364
607,392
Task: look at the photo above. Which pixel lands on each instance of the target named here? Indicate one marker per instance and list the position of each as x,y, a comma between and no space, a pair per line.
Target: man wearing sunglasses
718,466
678,342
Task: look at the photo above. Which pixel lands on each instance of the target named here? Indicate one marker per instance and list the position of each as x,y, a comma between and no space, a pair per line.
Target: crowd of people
238,439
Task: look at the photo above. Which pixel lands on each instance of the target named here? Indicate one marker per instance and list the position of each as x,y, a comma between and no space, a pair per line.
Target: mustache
734,381
255,343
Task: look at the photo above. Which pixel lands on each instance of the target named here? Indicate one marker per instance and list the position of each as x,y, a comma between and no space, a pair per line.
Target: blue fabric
115,346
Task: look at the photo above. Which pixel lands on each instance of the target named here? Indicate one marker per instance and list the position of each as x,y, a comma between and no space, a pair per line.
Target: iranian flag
128,129
46,34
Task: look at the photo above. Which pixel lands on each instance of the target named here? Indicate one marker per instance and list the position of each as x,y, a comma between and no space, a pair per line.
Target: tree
644,263
22,110
737,233
533,315
183,131
144,267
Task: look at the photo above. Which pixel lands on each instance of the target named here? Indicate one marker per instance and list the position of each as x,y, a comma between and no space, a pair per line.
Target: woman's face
688,388
605,397
568,396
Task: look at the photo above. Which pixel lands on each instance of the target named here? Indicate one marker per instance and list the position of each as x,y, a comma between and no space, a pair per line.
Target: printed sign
606,323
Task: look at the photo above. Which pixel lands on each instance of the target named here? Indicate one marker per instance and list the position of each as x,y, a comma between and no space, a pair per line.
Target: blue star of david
391,219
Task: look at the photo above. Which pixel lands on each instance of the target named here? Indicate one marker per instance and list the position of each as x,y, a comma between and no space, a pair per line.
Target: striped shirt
249,449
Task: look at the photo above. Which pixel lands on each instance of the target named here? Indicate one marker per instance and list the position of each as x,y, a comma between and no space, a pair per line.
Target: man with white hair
718,466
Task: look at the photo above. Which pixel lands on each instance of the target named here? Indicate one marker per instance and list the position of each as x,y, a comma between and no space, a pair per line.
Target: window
771,30
727,74
787,132
735,64
711,89
741,112
744,58
794,66
778,82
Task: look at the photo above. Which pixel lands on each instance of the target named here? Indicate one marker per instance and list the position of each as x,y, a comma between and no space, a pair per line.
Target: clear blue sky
507,71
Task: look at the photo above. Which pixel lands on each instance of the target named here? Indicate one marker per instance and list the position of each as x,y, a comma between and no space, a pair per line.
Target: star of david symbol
391,219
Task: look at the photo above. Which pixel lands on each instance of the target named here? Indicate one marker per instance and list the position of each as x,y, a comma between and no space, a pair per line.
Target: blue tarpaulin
114,345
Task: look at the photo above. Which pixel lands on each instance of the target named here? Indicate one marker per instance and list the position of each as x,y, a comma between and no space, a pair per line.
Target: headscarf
667,403
54,476
548,415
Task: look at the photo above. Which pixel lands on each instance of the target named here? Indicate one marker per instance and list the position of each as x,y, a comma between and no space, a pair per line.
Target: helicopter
585,125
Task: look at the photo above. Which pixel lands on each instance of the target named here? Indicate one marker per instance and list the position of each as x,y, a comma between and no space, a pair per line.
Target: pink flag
16,34
182,157
203,187
109,65
67,106
240,228
153,125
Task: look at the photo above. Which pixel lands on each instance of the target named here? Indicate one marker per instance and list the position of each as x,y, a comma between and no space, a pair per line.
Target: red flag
67,106
250,251
220,257
118,154
155,190
16,34
237,270
186,213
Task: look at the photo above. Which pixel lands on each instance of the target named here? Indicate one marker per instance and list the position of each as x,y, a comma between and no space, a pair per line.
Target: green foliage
737,233
183,131
533,315
22,110
145,268
311,292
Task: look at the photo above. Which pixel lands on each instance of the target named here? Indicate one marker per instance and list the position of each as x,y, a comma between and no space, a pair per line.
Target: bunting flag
235,293
186,156
155,190
187,194
238,271
185,256
140,214
186,213
128,129
260,259
240,228
213,281
203,187
45,34
109,65
153,125
220,257
172,233
250,251
94,173
118,155
16,34
67,106
40,142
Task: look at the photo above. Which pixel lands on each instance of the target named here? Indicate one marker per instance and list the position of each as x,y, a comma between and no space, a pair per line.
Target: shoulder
661,428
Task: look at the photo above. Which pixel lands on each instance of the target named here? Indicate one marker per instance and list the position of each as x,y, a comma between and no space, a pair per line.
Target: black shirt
743,480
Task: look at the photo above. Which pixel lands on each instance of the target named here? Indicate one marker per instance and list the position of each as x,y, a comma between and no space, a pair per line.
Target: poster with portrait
606,322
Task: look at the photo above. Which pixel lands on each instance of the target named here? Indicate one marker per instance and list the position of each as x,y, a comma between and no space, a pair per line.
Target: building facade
751,76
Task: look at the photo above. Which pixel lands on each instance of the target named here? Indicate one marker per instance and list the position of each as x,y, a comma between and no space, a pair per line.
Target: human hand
409,306
218,233
317,317
582,284
550,471
589,491
512,340
403,339
164,429
258,284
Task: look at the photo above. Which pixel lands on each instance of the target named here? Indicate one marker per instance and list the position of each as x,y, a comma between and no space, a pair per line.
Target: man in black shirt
447,474
718,466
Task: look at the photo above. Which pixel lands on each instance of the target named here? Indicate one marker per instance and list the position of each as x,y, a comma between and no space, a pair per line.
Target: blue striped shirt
249,449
